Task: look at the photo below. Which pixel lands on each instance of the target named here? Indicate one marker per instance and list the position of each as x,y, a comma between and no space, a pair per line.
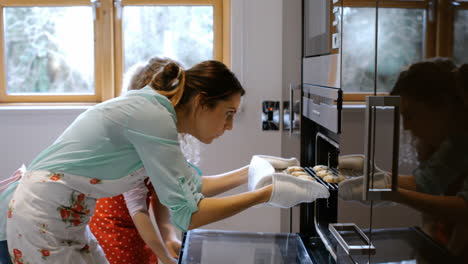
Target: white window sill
42,109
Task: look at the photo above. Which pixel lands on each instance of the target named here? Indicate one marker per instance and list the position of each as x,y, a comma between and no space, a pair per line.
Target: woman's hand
173,246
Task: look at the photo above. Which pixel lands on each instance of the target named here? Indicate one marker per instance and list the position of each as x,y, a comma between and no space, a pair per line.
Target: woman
434,104
122,224
102,153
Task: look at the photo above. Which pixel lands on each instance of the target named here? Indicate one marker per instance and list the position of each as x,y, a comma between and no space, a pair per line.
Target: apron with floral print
47,220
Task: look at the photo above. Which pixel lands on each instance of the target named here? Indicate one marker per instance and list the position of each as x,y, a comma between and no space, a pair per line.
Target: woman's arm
151,236
450,208
216,184
214,209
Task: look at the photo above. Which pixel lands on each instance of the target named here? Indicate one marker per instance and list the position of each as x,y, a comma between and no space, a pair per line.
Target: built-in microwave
321,28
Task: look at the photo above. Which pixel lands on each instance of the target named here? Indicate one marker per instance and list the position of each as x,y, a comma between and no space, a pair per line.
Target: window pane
49,50
400,43
183,33
460,50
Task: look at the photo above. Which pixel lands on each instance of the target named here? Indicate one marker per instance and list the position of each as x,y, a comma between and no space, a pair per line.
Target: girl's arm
214,209
151,236
168,233
137,207
216,184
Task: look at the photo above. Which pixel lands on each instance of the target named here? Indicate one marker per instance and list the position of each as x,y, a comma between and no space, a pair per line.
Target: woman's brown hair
439,84
210,80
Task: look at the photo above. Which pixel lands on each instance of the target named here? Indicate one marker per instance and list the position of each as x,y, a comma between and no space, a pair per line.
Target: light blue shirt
117,137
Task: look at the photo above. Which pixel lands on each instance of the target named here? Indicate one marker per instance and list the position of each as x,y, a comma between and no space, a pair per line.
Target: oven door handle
372,103
292,114
367,248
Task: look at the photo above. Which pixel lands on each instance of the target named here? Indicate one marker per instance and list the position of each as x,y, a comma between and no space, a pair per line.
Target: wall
256,58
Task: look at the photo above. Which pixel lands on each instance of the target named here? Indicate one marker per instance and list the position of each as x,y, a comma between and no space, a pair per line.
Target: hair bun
169,75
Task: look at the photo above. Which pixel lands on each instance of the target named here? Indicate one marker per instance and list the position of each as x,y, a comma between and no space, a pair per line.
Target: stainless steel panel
322,106
322,70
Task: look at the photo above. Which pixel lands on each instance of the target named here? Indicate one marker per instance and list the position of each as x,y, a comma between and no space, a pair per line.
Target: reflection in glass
49,50
460,52
400,43
183,33
232,247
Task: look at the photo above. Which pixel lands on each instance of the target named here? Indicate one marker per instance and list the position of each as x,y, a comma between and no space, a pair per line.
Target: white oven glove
353,187
353,165
289,191
353,162
262,168
279,163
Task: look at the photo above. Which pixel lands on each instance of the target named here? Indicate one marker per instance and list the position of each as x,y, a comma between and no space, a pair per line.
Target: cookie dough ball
324,173
331,179
292,169
299,173
318,168
306,177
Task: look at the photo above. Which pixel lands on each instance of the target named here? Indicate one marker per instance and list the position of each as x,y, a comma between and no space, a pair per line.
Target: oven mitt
263,167
279,163
353,162
289,191
353,187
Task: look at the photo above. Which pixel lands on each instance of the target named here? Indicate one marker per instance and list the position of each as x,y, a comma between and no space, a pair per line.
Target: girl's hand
173,246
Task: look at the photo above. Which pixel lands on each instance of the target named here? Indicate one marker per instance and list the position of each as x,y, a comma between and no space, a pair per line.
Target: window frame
429,40
221,31
108,52
445,26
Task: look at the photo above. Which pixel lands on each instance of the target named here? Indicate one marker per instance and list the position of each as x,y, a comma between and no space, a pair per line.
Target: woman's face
211,123
425,123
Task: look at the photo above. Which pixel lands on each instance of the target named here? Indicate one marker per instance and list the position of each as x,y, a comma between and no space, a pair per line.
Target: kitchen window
76,51
408,31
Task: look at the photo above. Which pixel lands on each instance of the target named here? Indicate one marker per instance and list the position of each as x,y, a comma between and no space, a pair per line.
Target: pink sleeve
136,199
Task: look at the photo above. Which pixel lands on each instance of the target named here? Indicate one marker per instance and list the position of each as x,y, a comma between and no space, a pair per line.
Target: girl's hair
211,81
439,84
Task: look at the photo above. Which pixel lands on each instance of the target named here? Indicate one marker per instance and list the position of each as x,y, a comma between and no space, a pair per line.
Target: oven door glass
394,230
230,247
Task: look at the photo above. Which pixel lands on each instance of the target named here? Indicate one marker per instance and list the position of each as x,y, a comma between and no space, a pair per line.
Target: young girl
123,228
